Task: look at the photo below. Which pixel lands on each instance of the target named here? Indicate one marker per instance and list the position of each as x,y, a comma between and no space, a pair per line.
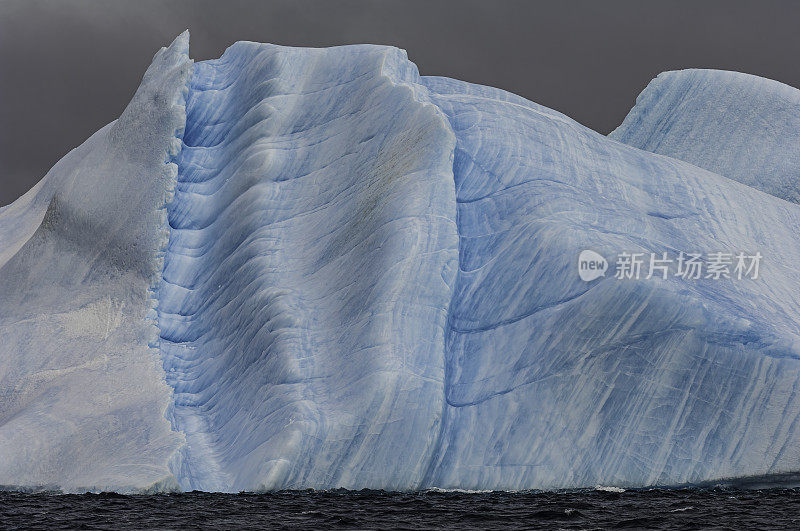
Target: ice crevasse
315,268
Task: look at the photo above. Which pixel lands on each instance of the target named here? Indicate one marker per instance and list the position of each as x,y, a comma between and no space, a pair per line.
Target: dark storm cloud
69,67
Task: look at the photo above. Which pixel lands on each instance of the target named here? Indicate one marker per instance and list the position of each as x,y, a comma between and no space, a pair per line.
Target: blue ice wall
314,189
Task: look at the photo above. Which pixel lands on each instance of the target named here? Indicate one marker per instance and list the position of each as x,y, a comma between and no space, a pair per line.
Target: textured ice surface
367,278
738,125
553,382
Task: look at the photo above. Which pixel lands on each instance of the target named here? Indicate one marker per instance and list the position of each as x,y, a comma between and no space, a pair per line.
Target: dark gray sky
68,67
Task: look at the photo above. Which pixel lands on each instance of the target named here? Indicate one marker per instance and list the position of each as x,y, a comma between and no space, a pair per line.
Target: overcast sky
69,67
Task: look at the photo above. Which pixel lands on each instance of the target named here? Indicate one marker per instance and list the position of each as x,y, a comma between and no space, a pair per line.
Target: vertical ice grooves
314,187
181,355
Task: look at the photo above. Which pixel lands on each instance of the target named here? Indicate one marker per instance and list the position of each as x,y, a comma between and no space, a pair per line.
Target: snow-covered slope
370,280
82,393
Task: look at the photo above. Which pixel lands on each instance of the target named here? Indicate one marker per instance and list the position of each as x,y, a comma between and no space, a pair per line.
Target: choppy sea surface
710,508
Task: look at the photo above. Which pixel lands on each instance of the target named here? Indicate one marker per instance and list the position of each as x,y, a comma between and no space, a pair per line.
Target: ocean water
711,508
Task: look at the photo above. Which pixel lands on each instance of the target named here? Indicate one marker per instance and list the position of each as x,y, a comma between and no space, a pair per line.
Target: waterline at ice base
294,268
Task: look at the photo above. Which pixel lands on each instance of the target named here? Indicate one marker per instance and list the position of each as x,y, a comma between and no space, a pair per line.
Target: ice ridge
298,356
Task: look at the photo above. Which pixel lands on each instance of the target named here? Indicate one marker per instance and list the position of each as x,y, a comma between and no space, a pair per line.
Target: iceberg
296,268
